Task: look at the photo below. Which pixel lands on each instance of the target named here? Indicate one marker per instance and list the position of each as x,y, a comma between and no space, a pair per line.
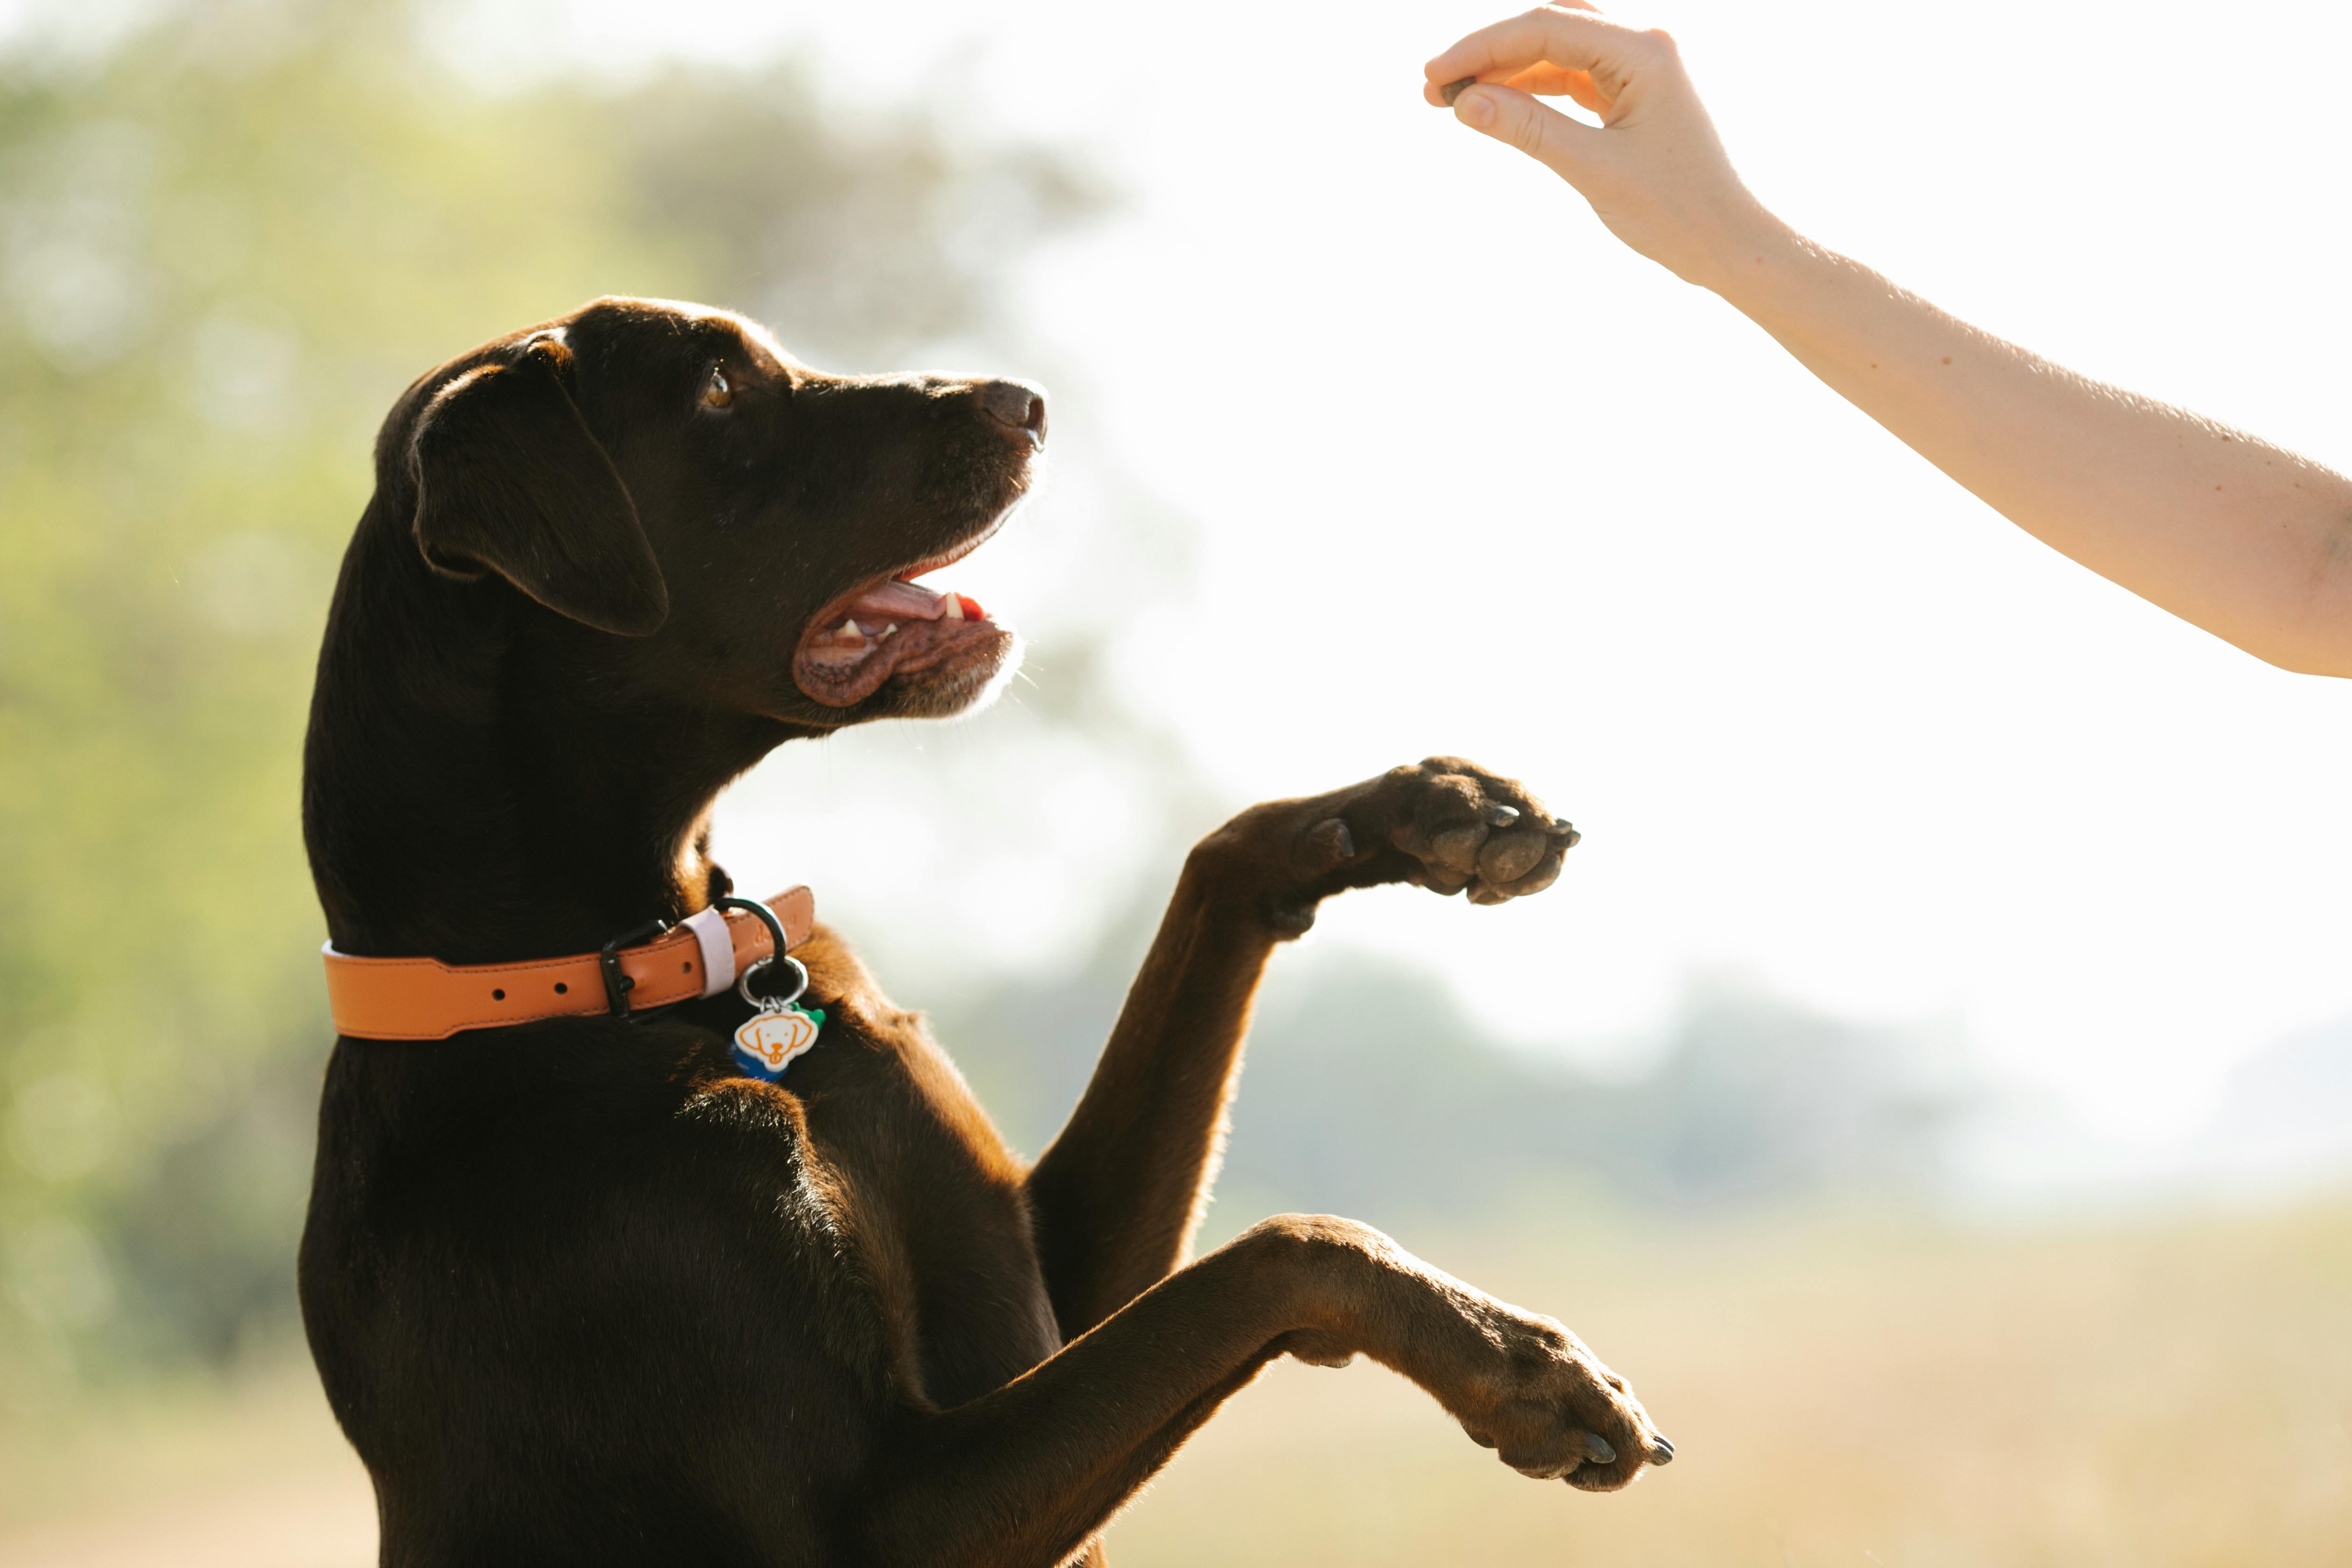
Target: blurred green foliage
225,247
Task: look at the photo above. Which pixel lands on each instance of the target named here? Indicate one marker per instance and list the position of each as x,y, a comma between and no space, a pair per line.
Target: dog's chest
937,1208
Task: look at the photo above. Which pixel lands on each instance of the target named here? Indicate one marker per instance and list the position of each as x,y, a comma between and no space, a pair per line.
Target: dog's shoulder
840,981
866,1021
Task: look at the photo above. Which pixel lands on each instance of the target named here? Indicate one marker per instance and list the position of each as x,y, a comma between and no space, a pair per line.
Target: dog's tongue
896,601
900,602
887,626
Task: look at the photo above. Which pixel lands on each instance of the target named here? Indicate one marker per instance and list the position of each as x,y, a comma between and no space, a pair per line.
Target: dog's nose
1015,403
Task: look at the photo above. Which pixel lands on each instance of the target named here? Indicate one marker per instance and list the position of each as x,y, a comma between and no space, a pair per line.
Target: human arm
2243,538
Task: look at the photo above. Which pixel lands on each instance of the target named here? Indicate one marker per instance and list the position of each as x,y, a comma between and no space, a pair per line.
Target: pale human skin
2243,538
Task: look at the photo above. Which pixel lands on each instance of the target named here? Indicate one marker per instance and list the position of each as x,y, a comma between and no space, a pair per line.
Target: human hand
1654,169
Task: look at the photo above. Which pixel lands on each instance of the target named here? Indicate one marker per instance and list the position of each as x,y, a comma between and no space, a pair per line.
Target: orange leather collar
426,999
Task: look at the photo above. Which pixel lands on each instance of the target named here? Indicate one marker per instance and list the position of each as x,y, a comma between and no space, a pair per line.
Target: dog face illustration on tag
768,1041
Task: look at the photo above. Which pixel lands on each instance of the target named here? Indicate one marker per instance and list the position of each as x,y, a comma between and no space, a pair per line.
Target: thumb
1542,133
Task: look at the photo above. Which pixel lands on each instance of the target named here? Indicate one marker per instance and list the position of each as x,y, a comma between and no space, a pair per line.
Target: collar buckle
618,984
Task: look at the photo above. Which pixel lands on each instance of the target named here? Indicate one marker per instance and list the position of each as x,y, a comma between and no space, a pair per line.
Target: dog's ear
509,479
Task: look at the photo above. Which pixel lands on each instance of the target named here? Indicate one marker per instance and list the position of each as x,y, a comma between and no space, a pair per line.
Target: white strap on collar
709,929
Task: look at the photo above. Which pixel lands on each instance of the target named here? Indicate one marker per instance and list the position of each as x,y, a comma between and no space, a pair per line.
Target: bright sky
1471,478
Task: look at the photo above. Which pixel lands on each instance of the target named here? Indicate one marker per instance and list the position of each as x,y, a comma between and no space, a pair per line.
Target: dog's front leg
1119,1194
1025,1475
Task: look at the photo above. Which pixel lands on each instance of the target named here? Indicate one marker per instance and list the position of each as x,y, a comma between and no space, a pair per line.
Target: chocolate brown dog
583,1293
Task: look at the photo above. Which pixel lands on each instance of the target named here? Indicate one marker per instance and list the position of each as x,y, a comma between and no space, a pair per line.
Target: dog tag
773,1038
781,1031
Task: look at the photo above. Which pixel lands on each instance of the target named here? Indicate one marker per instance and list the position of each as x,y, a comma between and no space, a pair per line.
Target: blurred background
1932,1082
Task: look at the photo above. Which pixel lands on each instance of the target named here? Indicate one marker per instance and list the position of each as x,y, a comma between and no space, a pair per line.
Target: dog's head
694,517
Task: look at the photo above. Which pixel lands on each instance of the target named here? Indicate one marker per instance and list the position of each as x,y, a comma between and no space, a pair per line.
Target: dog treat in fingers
1453,89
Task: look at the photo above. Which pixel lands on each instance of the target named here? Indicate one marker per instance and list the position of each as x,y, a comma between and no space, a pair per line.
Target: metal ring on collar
800,982
778,956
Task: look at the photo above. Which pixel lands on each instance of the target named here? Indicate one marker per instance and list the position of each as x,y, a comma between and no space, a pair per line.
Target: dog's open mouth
895,626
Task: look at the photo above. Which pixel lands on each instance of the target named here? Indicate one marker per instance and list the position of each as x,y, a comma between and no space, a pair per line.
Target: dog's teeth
886,631
955,608
849,629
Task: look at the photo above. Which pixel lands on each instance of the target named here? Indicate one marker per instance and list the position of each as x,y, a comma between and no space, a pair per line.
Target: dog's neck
467,797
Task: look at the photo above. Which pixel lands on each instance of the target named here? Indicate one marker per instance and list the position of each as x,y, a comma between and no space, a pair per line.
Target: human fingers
1434,87
1570,38
1653,168
1542,133
1548,80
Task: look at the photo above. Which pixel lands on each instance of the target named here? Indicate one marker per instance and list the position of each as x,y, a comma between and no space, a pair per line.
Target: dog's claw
1326,846
1597,1449
1660,1451
1501,815
1561,828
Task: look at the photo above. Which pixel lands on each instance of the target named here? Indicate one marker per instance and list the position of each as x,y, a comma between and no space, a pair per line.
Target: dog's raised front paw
1549,1409
1448,826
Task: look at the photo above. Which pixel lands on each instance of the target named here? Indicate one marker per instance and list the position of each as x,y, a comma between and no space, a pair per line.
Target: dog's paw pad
1467,828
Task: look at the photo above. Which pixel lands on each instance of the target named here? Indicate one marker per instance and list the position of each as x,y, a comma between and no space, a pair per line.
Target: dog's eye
716,393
